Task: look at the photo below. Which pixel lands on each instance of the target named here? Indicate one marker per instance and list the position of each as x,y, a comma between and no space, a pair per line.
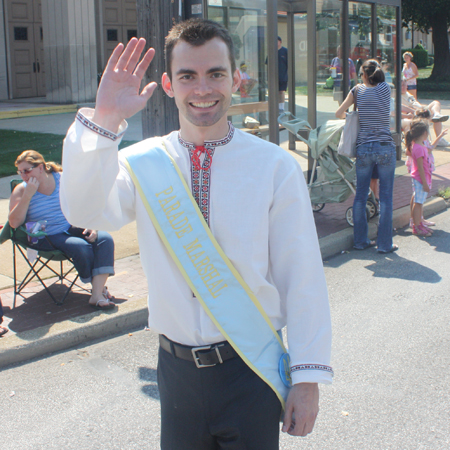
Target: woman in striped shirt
37,200
374,148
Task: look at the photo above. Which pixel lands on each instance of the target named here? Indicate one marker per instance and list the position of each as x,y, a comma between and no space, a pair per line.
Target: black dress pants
224,407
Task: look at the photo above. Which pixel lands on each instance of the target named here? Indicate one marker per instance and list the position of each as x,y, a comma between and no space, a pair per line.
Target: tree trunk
441,69
155,19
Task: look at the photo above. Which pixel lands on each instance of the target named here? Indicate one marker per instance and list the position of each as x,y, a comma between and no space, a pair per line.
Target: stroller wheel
372,206
316,207
349,215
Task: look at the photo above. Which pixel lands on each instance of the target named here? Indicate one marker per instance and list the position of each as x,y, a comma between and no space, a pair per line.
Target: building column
70,49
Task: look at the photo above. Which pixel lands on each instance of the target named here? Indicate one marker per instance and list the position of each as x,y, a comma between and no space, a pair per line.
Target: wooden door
26,48
119,24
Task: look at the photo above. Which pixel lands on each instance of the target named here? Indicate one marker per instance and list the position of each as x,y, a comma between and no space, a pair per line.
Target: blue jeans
382,155
90,259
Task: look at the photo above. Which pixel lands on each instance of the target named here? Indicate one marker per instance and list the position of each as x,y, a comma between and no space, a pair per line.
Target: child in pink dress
421,169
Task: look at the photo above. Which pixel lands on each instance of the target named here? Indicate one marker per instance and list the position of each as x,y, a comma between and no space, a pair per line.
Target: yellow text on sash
177,219
208,273
180,224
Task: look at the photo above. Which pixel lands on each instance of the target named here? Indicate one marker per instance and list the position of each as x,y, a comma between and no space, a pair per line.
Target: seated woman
37,200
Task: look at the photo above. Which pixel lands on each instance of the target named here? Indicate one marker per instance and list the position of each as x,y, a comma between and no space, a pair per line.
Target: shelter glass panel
386,50
246,21
301,65
360,33
329,75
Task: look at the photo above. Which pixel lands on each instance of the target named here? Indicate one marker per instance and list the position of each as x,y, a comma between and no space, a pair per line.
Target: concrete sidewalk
38,326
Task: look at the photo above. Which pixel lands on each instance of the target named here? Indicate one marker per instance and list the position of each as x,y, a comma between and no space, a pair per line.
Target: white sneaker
439,118
443,143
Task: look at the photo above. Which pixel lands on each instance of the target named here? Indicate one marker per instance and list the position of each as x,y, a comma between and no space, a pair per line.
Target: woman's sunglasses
25,171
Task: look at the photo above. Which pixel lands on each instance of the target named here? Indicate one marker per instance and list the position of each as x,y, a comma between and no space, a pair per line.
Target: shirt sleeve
297,270
96,189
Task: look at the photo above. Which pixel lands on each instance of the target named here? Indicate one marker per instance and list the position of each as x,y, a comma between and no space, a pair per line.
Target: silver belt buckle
197,358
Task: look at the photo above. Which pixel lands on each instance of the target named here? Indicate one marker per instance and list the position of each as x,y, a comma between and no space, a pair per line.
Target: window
111,35
21,33
131,34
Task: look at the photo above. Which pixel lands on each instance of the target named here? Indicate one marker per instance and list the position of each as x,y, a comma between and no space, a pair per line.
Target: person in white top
410,73
253,196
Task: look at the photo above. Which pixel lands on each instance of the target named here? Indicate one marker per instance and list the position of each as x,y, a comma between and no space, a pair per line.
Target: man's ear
167,85
236,80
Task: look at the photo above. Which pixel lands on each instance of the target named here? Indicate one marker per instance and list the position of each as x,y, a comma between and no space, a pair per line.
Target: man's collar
213,143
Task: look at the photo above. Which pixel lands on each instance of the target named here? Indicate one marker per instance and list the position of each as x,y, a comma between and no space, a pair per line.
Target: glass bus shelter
319,36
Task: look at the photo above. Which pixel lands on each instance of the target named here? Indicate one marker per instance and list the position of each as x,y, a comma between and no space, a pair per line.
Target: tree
433,14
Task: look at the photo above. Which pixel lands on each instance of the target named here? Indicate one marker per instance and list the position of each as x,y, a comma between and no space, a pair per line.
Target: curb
40,111
61,336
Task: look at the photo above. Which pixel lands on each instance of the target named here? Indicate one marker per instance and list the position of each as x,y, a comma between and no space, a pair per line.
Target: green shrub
425,84
420,56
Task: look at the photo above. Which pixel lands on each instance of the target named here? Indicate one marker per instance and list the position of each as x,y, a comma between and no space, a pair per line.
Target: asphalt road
391,357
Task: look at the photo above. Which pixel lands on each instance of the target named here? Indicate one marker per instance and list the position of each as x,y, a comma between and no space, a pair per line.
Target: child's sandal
423,225
420,231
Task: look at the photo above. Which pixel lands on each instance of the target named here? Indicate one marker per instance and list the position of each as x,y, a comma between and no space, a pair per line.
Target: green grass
436,91
15,142
425,72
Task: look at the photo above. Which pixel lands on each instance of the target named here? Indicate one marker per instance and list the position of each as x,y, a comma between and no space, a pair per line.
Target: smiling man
227,242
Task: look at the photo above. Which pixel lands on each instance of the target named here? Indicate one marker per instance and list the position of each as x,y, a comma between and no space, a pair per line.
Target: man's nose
203,86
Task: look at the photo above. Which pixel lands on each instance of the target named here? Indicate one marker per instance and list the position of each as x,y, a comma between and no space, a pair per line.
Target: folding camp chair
20,243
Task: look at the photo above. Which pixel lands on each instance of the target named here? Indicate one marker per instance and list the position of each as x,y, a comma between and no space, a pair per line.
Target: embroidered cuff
81,117
311,373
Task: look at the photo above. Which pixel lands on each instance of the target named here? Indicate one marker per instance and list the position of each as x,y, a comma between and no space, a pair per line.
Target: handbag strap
356,96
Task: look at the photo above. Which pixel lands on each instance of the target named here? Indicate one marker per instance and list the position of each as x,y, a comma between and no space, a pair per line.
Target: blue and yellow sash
218,286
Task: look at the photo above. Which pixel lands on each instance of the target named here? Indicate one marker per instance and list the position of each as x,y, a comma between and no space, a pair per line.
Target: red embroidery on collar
199,149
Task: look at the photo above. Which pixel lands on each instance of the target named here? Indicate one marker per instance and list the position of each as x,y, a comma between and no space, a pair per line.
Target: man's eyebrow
185,72
217,69
194,72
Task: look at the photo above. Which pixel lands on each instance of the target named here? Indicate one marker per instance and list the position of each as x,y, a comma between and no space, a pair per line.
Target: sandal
420,231
427,223
370,244
394,248
3,330
426,228
107,295
103,304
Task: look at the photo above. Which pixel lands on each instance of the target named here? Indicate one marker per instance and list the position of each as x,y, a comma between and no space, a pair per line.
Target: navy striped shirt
374,113
48,207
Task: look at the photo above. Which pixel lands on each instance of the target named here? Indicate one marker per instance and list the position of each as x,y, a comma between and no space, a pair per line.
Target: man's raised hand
118,95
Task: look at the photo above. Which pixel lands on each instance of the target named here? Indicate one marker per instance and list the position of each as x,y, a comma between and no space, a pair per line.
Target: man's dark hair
280,39
197,32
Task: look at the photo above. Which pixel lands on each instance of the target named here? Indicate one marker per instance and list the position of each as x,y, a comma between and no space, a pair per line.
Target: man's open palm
118,95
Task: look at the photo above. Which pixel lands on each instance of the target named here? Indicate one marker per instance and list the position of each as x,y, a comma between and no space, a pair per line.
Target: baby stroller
333,176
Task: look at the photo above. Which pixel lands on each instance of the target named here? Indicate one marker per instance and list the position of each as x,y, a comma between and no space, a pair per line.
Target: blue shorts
412,87
282,85
419,194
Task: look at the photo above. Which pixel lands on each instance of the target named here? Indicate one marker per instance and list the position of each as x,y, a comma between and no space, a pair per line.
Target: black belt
205,356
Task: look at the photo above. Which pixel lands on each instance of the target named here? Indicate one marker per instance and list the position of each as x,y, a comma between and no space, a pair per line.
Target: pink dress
420,151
